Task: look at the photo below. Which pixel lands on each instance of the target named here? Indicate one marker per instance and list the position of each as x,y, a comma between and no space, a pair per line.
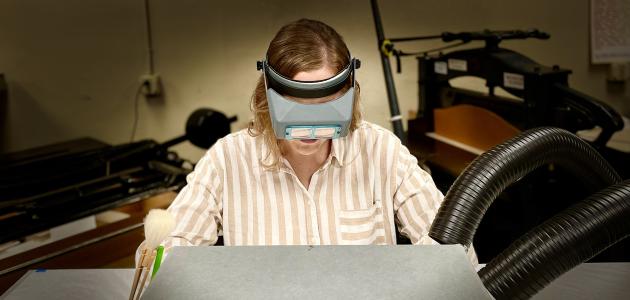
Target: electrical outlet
151,85
618,72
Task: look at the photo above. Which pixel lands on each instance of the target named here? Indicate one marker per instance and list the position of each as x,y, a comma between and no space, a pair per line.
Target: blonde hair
301,46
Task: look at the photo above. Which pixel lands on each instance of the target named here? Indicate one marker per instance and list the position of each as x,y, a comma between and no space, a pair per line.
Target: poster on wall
610,31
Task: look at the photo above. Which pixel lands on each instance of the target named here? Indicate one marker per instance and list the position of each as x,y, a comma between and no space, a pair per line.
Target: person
308,170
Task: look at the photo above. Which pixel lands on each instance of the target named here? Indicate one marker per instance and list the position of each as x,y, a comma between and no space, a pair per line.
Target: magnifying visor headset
293,120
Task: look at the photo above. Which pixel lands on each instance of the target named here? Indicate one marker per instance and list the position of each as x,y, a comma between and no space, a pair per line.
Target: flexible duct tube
559,244
489,174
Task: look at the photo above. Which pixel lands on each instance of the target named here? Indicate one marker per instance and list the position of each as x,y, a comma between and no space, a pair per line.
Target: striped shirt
368,181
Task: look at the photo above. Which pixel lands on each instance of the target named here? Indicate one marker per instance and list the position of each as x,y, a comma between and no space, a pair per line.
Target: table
586,281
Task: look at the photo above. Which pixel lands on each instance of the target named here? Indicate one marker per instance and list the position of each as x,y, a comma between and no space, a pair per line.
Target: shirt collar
338,149
264,154
346,149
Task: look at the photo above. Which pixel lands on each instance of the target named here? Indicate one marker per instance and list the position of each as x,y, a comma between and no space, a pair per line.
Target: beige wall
73,65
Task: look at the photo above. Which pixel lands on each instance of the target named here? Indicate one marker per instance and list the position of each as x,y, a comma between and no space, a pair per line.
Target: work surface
321,272
587,281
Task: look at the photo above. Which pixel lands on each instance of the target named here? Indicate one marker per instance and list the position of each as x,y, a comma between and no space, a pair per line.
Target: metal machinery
544,99
539,96
47,187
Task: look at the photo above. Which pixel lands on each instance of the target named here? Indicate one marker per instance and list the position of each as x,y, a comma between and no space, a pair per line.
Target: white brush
158,224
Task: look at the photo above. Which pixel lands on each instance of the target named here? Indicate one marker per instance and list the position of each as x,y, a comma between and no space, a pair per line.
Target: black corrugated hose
488,175
559,244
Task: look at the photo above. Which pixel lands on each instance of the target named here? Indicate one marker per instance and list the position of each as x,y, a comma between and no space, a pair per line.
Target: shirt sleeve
416,201
197,208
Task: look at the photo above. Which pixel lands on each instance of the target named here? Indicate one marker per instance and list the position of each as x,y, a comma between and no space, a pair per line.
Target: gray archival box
317,272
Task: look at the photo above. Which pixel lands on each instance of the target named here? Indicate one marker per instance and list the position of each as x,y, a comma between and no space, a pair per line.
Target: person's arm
416,201
197,208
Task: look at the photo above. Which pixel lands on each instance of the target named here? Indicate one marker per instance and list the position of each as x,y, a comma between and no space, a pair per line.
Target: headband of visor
293,120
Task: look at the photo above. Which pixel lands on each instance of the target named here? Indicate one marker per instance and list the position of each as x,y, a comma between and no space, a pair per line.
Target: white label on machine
458,65
440,67
515,81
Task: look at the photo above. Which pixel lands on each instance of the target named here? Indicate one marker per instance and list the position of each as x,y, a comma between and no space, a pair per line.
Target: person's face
312,146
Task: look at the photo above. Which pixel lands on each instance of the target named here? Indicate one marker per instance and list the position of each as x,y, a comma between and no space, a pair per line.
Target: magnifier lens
324,133
301,133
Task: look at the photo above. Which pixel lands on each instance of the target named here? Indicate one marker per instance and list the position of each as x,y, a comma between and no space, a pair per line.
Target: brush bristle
158,224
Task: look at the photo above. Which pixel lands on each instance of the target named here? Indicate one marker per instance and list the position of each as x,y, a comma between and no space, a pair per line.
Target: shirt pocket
362,226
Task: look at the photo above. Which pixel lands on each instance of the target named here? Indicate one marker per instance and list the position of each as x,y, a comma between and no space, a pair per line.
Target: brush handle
145,273
141,285
134,285
136,276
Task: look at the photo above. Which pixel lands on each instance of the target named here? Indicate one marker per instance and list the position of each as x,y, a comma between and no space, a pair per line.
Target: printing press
454,125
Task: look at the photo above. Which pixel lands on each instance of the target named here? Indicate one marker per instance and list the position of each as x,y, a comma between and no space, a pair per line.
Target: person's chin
308,147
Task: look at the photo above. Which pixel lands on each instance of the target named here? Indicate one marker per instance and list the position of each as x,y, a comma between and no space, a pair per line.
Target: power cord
136,112
144,85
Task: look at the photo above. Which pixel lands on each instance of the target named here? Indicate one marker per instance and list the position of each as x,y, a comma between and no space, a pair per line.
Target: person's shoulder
375,132
373,128
237,141
237,136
